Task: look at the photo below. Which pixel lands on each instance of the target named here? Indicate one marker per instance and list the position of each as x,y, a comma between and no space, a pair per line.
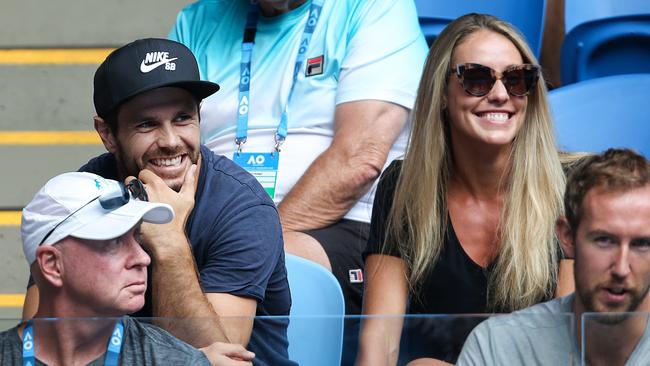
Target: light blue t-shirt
360,49
543,334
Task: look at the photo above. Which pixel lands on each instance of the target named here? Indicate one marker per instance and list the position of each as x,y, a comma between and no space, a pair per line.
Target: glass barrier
615,338
514,339
333,340
113,341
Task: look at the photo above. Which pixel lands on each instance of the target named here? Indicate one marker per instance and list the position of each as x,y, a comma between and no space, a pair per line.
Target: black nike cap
144,65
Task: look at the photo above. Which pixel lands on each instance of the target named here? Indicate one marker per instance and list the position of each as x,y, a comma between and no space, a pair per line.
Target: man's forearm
365,132
177,295
194,316
326,191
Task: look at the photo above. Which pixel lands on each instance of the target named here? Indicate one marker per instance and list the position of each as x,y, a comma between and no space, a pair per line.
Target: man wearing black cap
222,255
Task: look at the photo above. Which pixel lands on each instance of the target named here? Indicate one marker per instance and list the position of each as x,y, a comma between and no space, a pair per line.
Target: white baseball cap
85,206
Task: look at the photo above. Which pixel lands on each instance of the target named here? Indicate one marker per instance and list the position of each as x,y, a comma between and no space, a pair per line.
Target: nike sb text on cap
143,65
70,204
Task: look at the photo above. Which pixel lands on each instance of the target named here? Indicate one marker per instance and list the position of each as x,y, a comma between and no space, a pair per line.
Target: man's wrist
166,245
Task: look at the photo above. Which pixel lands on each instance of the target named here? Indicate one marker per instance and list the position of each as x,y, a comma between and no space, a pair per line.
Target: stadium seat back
608,46
317,312
526,15
594,115
582,11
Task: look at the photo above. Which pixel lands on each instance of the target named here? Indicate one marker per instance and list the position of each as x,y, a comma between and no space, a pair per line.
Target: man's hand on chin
182,202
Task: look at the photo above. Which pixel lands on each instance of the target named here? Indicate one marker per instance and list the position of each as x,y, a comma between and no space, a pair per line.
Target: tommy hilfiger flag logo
315,66
356,276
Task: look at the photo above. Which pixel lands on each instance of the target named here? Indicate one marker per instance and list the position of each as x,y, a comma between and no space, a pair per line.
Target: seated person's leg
339,248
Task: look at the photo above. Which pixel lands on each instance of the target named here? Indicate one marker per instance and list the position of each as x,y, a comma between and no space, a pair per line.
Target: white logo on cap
152,60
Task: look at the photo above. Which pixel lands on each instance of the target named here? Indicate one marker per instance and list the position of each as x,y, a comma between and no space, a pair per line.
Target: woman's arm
384,301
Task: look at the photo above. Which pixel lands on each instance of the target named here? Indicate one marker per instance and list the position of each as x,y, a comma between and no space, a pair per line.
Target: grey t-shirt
144,344
543,334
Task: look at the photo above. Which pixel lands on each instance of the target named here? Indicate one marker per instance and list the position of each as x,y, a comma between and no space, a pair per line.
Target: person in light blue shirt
346,110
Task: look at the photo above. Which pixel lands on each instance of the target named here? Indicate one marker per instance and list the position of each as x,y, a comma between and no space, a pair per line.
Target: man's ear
50,264
566,236
106,134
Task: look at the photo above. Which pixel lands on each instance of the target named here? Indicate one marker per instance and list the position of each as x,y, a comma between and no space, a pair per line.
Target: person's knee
306,246
427,362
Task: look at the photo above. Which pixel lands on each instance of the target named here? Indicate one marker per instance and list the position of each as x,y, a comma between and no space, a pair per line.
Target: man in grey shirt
607,231
80,237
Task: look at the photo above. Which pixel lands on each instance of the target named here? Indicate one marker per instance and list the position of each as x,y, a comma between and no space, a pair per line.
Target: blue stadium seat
609,46
582,11
317,311
597,114
526,15
605,37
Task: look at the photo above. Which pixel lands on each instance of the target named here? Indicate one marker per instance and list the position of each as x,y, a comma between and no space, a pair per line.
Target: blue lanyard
112,353
245,72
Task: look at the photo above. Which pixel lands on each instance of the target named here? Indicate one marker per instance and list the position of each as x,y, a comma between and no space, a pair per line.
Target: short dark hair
614,170
111,120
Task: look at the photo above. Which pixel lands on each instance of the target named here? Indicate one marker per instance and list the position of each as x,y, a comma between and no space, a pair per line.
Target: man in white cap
80,237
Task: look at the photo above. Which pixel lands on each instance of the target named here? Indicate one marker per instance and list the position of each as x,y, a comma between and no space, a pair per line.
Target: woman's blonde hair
525,270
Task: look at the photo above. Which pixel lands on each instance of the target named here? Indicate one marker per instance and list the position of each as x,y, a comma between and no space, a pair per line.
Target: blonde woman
465,224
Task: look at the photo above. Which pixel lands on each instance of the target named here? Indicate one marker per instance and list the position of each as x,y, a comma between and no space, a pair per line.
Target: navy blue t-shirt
237,243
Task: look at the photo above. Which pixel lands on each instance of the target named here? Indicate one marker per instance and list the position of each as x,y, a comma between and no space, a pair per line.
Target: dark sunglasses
114,198
111,199
136,188
478,80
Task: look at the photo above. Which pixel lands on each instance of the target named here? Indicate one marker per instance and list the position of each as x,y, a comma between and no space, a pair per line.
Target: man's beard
130,167
611,318
125,169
